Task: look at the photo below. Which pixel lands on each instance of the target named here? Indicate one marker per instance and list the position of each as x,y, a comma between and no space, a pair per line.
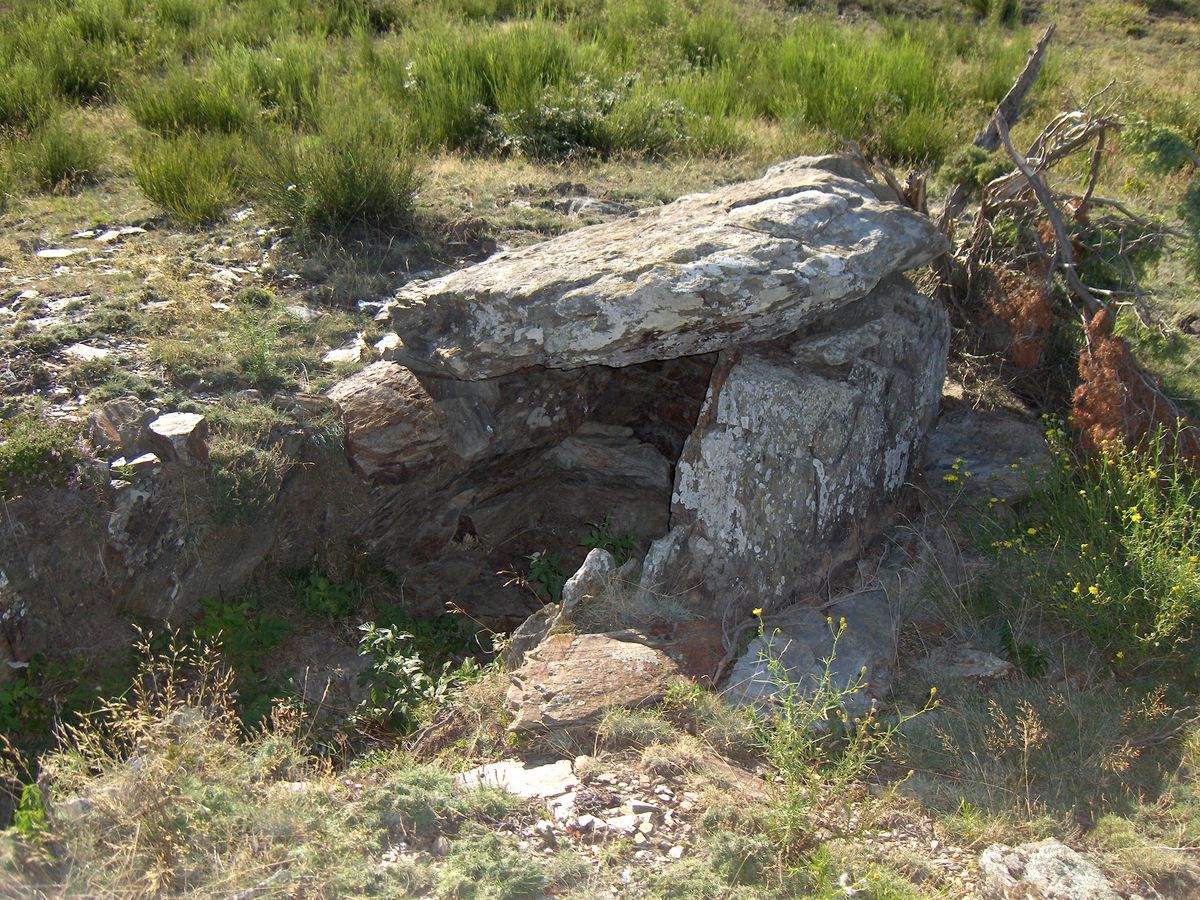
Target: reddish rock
571,679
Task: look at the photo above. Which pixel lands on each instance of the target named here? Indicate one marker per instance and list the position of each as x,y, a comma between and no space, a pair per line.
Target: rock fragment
181,437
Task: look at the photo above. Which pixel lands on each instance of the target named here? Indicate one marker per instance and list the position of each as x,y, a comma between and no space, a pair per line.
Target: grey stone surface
801,641
1045,870
975,456
749,262
798,451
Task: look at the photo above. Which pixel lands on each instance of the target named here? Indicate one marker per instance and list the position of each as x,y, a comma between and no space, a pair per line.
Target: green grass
194,177
1112,550
314,86
57,157
26,100
355,172
180,101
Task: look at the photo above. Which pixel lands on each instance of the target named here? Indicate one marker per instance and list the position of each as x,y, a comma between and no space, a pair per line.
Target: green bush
194,177
1114,550
356,172
59,158
1159,149
38,452
402,688
190,101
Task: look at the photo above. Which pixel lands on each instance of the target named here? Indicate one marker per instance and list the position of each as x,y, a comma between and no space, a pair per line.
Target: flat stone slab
539,782
748,262
570,680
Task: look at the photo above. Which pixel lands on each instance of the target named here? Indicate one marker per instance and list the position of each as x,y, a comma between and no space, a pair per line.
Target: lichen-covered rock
1046,870
749,262
799,449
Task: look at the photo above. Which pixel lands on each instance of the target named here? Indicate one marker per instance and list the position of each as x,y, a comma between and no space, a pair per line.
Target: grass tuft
194,177
185,101
60,158
356,172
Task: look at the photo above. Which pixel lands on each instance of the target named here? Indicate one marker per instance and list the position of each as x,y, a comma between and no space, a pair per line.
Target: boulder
979,457
801,641
121,426
799,449
180,437
1045,870
569,680
403,427
749,262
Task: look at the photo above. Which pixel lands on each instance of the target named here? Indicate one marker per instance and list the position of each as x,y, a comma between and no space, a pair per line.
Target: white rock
351,353
180,437
1047,870
59,252
541,782
115,234
84,353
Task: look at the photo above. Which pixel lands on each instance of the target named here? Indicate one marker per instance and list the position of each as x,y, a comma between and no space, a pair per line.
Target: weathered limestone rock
1046,870
180,437
749,262
798,451
571,679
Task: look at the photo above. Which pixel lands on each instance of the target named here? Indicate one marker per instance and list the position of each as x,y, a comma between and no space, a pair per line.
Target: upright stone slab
800,447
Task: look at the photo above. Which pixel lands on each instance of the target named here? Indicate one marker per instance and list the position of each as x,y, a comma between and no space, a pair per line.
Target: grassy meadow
293,162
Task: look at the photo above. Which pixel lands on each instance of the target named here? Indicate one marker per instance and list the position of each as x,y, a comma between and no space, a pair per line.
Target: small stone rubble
587,803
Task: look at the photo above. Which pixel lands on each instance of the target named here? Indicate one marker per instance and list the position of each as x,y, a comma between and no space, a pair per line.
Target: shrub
194,177
59,158
815,745
355,173
26,99
402,687
1159,149
38,452
1117,545
187,101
